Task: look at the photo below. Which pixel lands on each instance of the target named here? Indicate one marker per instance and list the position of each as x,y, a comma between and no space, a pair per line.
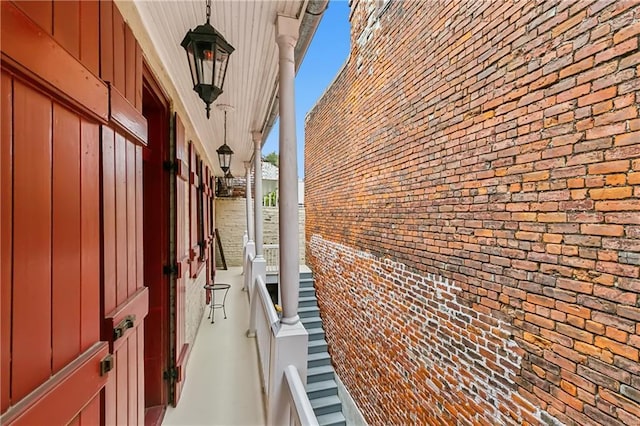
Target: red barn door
51,353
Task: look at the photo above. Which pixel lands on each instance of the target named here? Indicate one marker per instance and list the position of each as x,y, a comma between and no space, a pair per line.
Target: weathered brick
509,169
604,230
598,96
630,138
629,312
609,167
617,50
617,348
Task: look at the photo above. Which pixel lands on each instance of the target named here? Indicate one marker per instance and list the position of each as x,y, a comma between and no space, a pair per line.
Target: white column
247,168
286,37
249,249
257,202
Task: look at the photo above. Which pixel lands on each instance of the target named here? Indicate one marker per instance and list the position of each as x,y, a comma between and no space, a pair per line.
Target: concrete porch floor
222,379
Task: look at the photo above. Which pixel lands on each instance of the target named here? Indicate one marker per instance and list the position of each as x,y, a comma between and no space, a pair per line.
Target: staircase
322,389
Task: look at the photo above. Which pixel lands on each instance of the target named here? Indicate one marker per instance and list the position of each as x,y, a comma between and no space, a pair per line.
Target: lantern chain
208,10
225,126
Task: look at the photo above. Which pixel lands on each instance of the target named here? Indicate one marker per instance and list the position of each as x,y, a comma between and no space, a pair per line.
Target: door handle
124,325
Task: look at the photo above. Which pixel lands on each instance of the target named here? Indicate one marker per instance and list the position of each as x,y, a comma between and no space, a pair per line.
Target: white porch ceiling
251,82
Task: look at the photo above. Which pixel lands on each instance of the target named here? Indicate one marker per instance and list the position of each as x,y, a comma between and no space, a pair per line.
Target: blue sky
326,55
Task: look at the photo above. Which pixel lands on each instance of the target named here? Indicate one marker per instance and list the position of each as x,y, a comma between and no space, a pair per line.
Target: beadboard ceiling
251,83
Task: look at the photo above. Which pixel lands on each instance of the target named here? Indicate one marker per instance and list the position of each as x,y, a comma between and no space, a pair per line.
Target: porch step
305,302
309,311
316,346
315,333
332,419
307,292
319,374
311,322
326,405
318,359
306,282
322,389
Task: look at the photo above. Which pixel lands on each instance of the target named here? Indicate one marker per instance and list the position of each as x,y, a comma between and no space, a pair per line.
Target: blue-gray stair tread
321,389
315,333
315,346
308,311
318,359
319,374
332,419
314,322
306,282
326,405
307,292
308,301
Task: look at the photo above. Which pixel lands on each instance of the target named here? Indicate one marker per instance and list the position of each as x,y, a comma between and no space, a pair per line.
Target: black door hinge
170,374
170,269
170,166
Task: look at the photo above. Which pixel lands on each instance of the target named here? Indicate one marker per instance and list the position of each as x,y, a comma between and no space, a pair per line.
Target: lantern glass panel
192,69
224,157
222,59
205,62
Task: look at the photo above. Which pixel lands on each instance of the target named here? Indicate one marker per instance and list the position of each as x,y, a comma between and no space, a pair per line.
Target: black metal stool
213,288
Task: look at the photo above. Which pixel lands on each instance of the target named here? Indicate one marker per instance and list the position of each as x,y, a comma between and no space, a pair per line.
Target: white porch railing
272,256
278,353
265,322
301,413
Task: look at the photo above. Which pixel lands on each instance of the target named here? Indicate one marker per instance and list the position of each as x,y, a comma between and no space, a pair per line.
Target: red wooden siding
69,79
119,61
73,24
121,56
51,241
6,154
41,12
90,35
109,218
124,293
90,234
31,309
106,40
90,414
66,25
66,237
50,165
122,290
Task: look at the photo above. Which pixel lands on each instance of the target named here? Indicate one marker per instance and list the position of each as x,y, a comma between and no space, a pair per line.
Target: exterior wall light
208,55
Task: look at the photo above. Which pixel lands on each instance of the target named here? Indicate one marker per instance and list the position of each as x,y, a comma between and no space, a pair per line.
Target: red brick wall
473,212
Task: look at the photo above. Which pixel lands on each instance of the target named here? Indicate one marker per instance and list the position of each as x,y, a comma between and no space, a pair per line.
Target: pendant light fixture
208,55
225,153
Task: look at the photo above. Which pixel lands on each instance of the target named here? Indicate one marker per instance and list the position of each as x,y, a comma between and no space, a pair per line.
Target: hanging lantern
225,152
228,182
208,55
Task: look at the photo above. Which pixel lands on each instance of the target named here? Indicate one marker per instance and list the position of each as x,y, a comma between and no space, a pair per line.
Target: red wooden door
179,347
125,298
50,351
